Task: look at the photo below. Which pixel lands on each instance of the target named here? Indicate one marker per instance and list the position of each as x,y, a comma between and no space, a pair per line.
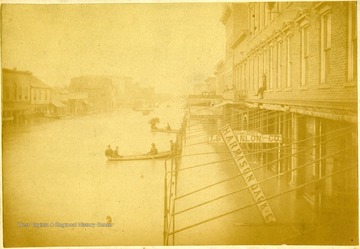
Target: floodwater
56,173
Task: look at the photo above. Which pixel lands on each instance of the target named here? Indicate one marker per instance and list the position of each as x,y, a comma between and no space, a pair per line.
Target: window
257,18
248,75
266,61
279,65
275,66
244,76
15,92
7,93
273,8
20,93
256,72
304,55
271,69
26,93
325,47
288,62
262,15
252,74
252,19
352,42
261,67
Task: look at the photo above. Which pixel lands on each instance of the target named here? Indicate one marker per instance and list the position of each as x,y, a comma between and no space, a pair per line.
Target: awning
58,104
327,114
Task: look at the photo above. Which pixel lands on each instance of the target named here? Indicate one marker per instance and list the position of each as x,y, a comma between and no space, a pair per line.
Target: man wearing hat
108,151
153,150
261,89
116,152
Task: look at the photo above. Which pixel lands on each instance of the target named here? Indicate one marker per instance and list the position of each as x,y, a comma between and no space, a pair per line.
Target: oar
152,157
147,154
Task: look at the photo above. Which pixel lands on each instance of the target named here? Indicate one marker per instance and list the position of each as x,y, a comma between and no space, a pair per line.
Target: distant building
40,96
24,95
208,87
59,105
99,89
78,104
132,94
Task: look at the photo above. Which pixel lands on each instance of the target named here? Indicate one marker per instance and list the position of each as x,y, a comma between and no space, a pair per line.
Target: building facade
294,73
40,97
100,91
24,95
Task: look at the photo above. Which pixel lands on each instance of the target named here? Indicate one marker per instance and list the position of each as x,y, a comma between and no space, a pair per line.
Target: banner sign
243,165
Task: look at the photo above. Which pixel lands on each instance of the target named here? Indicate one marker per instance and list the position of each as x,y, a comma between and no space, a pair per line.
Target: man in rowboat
115,153
153,150
108,151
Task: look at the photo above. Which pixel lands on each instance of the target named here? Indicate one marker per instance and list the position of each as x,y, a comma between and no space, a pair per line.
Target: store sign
257,137
250,137
243,165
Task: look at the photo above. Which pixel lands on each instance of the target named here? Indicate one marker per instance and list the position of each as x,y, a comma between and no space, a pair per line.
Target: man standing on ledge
262,88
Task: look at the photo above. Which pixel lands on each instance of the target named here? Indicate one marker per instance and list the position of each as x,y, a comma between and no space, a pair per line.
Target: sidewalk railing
172,164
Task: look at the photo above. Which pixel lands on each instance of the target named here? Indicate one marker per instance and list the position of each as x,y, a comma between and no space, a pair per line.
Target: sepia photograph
179,124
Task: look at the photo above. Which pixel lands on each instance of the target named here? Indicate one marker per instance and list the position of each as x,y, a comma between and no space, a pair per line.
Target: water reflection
57,172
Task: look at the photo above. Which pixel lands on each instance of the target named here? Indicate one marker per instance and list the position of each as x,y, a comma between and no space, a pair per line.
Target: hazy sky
168,46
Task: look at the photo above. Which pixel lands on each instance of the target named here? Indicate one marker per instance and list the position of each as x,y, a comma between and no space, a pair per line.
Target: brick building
301,59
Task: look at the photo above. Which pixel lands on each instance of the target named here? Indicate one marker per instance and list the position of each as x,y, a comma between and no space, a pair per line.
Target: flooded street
57,172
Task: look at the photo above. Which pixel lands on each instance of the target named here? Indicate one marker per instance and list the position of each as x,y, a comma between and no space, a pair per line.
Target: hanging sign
243,165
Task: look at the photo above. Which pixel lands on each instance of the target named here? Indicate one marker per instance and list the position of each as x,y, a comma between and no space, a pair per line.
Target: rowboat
164,130
141,157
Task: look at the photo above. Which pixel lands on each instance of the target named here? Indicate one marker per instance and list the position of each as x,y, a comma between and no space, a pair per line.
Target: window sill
304,88
323,86
278,90
350,84
288,90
